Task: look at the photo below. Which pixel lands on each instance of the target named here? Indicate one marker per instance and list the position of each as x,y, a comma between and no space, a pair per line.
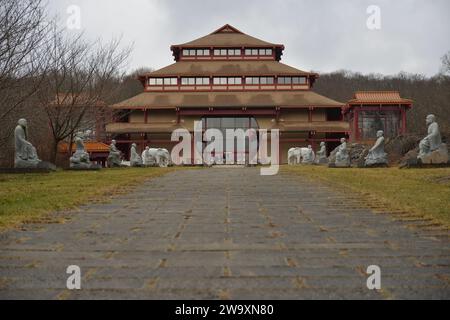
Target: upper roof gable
227,29
227,36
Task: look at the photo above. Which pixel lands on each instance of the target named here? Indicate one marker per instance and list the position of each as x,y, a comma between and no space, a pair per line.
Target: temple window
258,52
259,80
252,80
187,81
267,80
220,81
227,80
170,81
202,81
162,81
227,52
191,81
291,80
236,80
196,52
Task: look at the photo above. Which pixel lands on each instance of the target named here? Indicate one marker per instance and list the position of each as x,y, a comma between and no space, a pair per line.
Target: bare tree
23,34
24,29
446,63
77,83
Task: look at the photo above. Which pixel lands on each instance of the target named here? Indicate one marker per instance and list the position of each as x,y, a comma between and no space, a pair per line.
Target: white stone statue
114,155
342,155
294,156
376,155
431,148
147,158
80,159
299,155
135,158
25,154
308,155
321,155
156,157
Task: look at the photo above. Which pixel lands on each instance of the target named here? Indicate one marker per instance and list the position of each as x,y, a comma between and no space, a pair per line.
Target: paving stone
227,234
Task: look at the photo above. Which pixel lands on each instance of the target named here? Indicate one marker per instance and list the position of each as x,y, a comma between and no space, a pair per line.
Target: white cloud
324,35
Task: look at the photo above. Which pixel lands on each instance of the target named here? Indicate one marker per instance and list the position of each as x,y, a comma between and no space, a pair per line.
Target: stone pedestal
342,164
322,161
439,156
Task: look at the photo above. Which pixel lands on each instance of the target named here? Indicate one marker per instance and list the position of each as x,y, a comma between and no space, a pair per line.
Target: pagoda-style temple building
229,79
370,111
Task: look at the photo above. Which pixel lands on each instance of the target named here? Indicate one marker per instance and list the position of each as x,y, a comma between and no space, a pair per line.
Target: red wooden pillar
146,115
403,112
313,139
356,124
178,115
192,149
143,141
279,148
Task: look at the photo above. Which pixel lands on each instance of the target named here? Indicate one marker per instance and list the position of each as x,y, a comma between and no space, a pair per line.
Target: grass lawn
28,198
419,192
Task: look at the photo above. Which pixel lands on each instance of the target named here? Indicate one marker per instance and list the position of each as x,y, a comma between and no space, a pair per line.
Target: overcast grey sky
320,35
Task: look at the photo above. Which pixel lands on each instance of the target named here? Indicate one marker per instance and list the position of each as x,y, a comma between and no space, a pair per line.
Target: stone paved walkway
227,233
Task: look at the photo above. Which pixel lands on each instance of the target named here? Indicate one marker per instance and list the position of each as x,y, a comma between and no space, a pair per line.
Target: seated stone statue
308,155
431,148
342,155
376,155
80,159
135,158
25,154
114,155
147,158
321,155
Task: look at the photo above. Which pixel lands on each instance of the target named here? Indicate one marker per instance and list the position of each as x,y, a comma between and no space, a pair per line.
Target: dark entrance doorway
233,123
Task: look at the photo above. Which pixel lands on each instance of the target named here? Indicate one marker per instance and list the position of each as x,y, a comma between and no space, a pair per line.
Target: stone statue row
26,156
431,151
339,157
150,157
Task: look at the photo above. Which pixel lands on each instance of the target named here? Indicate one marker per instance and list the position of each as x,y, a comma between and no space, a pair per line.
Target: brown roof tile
227,68
90,146
141,127
376,97
156,100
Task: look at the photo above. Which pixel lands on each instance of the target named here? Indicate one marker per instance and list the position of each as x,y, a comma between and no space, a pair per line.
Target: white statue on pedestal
308,155
25,155
156,157
80,159
321,155
431,148
114,155
135,159
342,155
376,155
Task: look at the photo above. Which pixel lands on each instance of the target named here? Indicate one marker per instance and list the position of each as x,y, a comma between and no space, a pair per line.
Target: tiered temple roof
240,65
159,100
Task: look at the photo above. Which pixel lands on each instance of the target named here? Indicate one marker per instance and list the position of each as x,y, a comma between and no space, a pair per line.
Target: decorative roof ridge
225,28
